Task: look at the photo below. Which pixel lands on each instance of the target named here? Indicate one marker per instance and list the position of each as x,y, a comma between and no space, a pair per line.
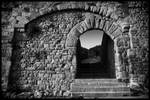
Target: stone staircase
99,88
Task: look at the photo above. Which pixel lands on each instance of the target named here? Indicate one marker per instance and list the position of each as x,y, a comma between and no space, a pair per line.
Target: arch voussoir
80,28
107,25
116,33
97,21
101,25
112,28
84,26
92,21
87,21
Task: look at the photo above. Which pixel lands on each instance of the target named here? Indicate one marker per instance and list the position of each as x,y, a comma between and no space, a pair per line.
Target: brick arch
110,27
93,22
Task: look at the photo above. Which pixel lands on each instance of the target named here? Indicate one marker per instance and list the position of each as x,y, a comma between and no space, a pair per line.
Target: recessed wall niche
95,55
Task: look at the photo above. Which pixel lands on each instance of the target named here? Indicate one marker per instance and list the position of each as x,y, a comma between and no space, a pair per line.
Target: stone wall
139,19
42,62
35,53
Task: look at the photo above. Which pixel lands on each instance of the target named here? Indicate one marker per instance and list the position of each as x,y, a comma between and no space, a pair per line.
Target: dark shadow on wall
14,85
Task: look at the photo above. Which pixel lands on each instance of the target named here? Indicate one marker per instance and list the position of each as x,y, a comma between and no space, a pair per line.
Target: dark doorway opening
97,61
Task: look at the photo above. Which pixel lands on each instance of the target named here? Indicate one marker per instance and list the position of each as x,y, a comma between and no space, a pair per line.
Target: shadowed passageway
96,62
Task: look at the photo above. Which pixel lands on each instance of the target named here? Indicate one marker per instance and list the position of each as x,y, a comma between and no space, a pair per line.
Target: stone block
80,29
107,25
81,5
112,28
98,9
46,46
72,50
95,9
87,21
120,43
67,93
73,5
71,41
74,60
100,95
109,12
37,94
114,16
133,31
84,26
92,8
86,7
99,87
97,22
116,33
101,10
127,44
61,6
92,23
105,11
131,53
5,74
6,51
102,23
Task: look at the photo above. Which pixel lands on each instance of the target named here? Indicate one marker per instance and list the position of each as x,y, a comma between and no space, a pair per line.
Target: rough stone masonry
39,44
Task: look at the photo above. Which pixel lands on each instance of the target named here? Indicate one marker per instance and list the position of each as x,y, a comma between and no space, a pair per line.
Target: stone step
100,94
88,75
96,80
98,84
99,89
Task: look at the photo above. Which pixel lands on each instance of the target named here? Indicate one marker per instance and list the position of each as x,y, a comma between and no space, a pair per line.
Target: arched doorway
95,55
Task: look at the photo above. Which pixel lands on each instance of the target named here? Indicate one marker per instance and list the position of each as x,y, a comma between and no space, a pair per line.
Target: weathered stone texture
35,34
44,59
139,20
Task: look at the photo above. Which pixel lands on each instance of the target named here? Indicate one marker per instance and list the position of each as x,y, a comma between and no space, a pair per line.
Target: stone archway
112,29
